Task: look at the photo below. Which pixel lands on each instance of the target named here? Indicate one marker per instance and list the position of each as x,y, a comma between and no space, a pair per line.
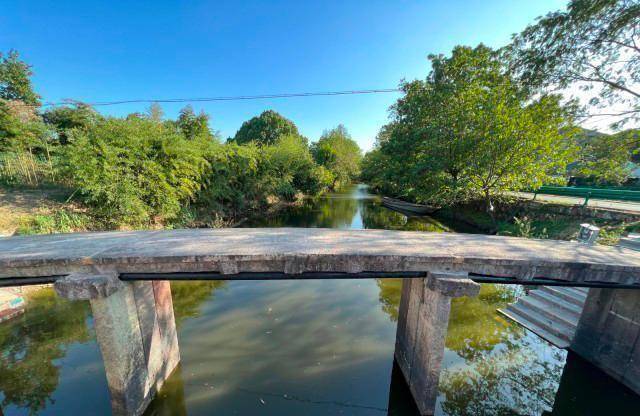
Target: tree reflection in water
335,211
505,371
519,379
189,296
30,343
474,325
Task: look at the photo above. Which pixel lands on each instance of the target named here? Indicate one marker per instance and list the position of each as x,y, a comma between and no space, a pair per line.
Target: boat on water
407,207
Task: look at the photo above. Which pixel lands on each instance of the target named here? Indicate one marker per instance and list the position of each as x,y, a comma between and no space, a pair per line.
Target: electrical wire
225,98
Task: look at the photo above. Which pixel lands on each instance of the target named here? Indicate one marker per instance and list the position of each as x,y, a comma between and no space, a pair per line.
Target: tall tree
15,79
469,131
266,128
594,44
340,154
192,125
155,112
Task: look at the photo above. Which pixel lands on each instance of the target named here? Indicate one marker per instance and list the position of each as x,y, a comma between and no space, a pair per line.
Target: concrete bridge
125,276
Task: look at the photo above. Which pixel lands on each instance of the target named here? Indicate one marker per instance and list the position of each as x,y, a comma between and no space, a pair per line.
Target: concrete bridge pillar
608,334
422,327
136,332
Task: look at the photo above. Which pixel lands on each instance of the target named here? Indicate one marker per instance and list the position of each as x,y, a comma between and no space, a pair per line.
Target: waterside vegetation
146,171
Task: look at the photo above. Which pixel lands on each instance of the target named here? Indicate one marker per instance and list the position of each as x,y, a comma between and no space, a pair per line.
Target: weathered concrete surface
295,250
608,334
136,332
81,286
422,327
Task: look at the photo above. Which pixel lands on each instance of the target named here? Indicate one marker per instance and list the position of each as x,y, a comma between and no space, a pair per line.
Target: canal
306,347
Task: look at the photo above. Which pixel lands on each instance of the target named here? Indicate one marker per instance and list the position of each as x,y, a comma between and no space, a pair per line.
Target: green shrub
340,154
234,181
134,171
291,167
242,177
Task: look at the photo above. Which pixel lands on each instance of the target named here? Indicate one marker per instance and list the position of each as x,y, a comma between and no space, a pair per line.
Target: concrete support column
422,326
136,332
608,334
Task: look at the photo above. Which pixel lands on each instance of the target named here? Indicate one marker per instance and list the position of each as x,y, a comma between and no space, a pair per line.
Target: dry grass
25,169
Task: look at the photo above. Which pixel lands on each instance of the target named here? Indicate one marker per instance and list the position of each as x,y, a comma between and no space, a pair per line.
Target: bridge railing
589,193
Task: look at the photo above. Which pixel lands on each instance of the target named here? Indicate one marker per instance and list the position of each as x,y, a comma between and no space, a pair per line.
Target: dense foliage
602,159
266,128
146,170
468,131
242,178
64,119
15,80
134,171
339,154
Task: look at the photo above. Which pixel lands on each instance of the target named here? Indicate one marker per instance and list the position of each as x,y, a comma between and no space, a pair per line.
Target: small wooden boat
407,207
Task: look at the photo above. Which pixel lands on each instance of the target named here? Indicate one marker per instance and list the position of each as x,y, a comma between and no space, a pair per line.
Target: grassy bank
27,211
539,223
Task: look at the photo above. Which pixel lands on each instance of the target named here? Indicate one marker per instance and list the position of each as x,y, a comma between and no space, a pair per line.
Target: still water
305,347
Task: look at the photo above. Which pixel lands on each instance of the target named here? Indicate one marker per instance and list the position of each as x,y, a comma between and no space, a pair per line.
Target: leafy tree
339,154
602,159
245,178
192,125
266,128
291,166
15,80
155,112
234,182
134,172
77,116
594,44
376,166
21,128
469,131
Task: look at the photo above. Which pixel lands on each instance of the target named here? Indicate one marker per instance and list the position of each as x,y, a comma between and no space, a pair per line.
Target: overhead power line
225,98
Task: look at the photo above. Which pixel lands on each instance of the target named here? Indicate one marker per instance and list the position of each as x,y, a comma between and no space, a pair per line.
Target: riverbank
25,211
541,219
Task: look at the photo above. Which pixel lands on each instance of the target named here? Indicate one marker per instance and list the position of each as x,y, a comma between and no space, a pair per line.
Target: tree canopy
602,159
190,124
468,131
339,154
66,118
266,128
15,79
594,44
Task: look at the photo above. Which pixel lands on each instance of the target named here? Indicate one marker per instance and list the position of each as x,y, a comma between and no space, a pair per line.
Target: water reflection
189,296
32,347
517,378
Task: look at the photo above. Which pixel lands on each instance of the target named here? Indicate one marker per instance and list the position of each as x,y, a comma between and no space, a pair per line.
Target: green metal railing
588,193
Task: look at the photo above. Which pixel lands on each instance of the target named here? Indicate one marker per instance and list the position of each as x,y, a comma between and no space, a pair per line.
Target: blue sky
112,50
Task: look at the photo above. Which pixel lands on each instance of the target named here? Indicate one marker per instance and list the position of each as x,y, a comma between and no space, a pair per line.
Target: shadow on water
312,348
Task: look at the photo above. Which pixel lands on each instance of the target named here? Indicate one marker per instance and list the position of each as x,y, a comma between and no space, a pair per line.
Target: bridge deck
298,250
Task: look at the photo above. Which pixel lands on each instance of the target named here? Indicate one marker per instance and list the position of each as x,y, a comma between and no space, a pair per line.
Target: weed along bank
125,276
